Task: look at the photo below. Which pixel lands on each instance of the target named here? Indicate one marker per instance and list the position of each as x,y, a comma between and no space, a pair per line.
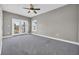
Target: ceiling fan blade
26,8
35,12
29,11
36,8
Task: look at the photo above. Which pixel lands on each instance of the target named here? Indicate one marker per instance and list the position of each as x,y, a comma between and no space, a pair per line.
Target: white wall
78,21
0,29
7,22
59,23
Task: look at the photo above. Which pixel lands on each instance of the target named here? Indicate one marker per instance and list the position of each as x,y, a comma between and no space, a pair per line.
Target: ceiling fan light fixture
31,8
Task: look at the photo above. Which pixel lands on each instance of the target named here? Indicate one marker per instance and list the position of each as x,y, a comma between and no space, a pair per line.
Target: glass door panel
23,26
19,26
16,27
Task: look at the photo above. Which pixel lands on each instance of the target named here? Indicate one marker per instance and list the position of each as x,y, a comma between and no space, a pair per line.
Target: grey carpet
36,45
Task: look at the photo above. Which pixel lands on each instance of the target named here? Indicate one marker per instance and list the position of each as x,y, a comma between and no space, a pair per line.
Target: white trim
57,39
14,35
46,37
0,46
7,36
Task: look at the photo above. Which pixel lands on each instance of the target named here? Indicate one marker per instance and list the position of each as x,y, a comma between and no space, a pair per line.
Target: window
16,27
19,26
23,27
34,25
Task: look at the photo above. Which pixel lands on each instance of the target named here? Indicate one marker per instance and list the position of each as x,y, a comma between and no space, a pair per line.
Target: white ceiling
18,8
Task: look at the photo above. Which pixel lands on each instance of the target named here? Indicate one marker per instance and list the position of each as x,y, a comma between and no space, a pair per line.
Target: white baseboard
57,39
63,40
0,46
7,36
14,35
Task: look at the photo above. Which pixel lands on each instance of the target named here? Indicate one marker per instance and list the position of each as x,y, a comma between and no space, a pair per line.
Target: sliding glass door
19,26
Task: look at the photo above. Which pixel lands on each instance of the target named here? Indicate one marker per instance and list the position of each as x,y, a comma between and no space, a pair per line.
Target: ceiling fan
32,8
